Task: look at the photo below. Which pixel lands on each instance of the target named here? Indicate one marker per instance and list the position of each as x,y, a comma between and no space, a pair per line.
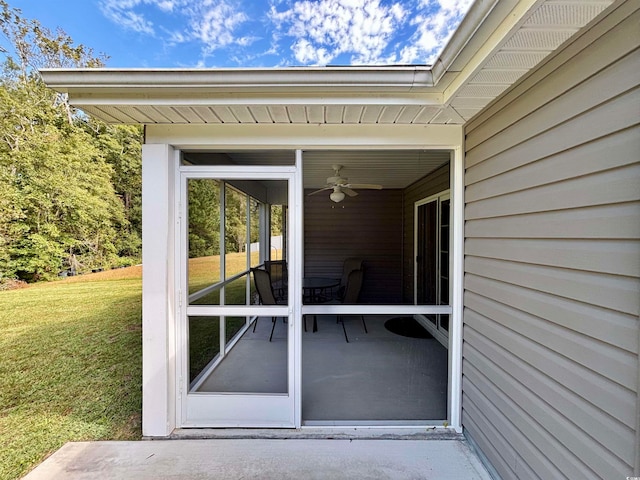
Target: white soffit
499,42
541,30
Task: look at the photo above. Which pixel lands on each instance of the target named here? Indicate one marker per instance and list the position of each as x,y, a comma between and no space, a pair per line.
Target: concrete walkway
264,459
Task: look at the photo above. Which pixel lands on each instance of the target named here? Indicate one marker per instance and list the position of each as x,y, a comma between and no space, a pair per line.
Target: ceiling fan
341,186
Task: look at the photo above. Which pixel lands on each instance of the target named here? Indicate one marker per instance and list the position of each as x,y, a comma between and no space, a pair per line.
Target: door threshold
320,433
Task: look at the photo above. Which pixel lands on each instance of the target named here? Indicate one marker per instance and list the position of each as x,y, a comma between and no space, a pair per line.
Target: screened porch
395,372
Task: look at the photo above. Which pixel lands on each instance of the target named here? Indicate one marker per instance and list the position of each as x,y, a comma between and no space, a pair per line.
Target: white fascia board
262,80
297,86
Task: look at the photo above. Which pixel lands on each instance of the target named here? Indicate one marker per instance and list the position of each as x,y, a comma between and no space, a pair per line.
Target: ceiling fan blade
341,186
369,186
321,190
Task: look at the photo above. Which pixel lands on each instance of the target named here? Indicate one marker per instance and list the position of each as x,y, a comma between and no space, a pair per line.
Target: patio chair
279,277
350,264
262,281
350,297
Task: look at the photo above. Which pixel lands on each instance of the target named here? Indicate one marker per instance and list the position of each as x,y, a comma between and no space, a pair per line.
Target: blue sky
254,33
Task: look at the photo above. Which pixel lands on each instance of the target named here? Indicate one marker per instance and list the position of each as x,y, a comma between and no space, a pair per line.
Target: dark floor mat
407,327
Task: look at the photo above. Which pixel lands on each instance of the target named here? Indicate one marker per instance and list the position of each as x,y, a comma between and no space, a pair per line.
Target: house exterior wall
552,263
333,232
436,182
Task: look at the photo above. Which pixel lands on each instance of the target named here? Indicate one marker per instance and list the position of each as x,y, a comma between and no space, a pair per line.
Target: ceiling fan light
336,196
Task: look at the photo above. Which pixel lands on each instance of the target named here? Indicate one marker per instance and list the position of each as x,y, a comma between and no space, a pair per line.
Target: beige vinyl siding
552,263
432,184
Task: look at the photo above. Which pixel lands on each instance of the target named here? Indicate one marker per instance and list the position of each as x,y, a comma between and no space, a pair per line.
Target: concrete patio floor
264,459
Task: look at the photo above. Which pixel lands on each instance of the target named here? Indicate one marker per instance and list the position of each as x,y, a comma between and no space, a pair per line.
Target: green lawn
204,332
70,367
71,363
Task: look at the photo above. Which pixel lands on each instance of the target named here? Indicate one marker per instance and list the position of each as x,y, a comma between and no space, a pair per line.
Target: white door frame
201,409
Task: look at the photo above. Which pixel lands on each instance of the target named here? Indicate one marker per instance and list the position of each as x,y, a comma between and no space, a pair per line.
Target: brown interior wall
368,226
433,183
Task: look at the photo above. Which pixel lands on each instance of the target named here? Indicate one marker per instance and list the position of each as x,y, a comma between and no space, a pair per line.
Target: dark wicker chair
279,277
350,297
262,281
350,264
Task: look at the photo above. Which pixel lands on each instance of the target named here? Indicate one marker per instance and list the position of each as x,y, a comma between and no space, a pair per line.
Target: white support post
296,271
456,324
223,235
265,232
158,290
248,231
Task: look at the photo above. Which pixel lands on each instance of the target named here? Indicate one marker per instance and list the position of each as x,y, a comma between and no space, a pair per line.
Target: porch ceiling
390,168
497,43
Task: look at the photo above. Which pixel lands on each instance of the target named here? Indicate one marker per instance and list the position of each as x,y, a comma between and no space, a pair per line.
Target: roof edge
406,78
463,36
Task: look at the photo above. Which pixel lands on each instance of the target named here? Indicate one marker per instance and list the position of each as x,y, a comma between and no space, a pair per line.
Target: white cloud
166,5
122,13
306,53
323,30
369,31
213,23
307,32
435,22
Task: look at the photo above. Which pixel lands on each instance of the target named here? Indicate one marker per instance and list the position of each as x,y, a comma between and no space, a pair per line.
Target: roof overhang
297,80
498,42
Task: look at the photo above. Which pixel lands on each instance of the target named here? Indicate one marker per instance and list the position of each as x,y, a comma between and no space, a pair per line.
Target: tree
62,198
235,220
204,217
69,185
121,147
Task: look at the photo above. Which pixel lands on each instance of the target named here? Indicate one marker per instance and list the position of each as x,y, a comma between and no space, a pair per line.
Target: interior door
235,354
432,241
426,253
